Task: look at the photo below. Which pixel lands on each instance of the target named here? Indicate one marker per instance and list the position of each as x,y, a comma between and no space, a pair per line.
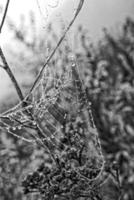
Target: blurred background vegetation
107,70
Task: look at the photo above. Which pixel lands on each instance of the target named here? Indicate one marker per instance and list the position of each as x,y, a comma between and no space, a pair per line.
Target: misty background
102,41
94,16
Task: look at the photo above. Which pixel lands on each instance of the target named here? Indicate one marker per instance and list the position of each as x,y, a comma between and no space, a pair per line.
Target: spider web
40,107
56,100
47,8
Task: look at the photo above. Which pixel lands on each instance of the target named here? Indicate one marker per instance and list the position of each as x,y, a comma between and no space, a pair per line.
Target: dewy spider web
46,8
54,102
37,107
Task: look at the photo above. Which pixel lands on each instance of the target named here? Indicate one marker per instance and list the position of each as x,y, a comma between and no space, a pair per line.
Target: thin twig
10,74
6,66
58,44
4,15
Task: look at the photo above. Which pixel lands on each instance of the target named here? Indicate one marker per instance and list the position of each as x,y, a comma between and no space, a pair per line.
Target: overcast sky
100,13
94,15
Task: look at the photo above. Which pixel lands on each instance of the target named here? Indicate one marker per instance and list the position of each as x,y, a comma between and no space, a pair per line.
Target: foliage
107,74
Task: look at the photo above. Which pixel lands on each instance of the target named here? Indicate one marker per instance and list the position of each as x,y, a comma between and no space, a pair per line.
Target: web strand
53,104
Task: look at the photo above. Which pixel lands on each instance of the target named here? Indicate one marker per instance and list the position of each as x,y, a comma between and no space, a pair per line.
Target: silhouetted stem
6,66
10,74
4,15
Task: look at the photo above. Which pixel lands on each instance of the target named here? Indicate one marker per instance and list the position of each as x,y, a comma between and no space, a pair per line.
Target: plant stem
4,15
10,74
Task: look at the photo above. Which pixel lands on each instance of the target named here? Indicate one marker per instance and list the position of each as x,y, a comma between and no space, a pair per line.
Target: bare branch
6,66
58,44
10,74
4,15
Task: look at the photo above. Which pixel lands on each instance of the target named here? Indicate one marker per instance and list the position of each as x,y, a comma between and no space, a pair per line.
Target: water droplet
65,116
19,127
71,57
90,103
8,128
52,137
13,128
48,138
73,65
34,123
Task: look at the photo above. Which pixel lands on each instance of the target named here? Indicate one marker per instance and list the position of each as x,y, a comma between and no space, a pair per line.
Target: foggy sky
97,14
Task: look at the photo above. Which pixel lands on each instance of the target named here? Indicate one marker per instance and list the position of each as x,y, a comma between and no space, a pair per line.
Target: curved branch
58,44
4,15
